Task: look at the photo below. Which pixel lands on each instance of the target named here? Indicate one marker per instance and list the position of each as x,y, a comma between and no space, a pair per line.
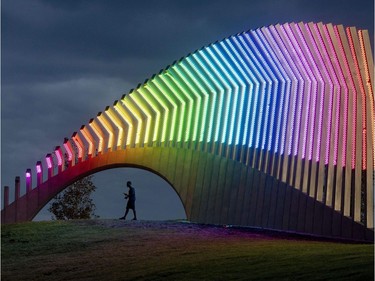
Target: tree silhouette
75,202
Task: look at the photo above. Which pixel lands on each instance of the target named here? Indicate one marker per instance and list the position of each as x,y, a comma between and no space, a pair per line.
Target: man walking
131,201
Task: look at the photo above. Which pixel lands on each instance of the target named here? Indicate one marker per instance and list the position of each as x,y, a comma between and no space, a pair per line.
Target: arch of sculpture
270,128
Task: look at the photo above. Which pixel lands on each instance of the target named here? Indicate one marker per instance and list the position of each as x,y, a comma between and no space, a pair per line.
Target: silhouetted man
131,201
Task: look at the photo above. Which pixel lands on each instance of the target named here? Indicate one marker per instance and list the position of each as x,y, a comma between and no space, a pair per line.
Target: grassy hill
146,250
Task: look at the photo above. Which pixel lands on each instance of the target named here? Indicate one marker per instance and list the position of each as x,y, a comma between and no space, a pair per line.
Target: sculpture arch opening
157,199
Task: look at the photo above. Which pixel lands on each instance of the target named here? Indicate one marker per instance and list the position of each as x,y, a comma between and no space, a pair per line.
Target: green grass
118,250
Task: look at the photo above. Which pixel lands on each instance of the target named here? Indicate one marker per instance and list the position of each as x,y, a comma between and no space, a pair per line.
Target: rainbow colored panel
294,101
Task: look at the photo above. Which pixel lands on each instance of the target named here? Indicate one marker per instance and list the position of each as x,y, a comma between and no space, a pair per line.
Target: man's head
129,184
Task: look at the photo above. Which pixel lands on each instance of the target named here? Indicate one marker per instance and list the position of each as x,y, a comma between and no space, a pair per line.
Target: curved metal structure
272,128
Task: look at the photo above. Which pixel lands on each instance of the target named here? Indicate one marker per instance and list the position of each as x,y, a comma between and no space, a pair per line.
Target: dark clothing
131,194
131,199
130,205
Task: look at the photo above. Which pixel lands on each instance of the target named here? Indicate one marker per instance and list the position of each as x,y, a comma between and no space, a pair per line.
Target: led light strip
79,144
122,111
246,85
371,95
284,81
266,93
99,133
111,113
108,127
88,137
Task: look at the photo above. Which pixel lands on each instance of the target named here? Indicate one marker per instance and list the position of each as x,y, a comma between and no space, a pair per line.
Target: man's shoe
134,219
122,218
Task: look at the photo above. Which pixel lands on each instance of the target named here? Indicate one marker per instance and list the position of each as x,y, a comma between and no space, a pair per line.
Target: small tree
75,202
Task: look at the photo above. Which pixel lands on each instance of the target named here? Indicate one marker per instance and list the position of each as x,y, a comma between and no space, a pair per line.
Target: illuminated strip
297,93
171,105
60,159
174,100
361,123
248,75
330,94
215,64
291,91
132,106
350,40
364,107
242,79
285,84
28,173
284,44
28,180
178,78
69,150
209,67
151,112
264,42
172,82
353,94
155,93
369,75
49,161
369,79
320,112
110,112
206,77
268,132
196,101
39,173
88,137
346,96
363,101
79,144
265,96
314,74
340,139
307,91
38,167
258,117
196,77
219,58
336,93
259,90
152,102
138,106
108,127
99,133
190,92
127,118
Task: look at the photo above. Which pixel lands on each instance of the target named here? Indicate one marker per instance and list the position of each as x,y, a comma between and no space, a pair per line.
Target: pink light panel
49,161
38,169
68,150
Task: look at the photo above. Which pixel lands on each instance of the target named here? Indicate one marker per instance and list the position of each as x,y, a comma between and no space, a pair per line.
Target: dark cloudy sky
64,61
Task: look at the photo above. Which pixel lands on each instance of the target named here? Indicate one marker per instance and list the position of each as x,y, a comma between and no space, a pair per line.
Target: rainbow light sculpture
294,102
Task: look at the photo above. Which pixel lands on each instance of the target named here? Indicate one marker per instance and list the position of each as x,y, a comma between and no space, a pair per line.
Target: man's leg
135,215
126,213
